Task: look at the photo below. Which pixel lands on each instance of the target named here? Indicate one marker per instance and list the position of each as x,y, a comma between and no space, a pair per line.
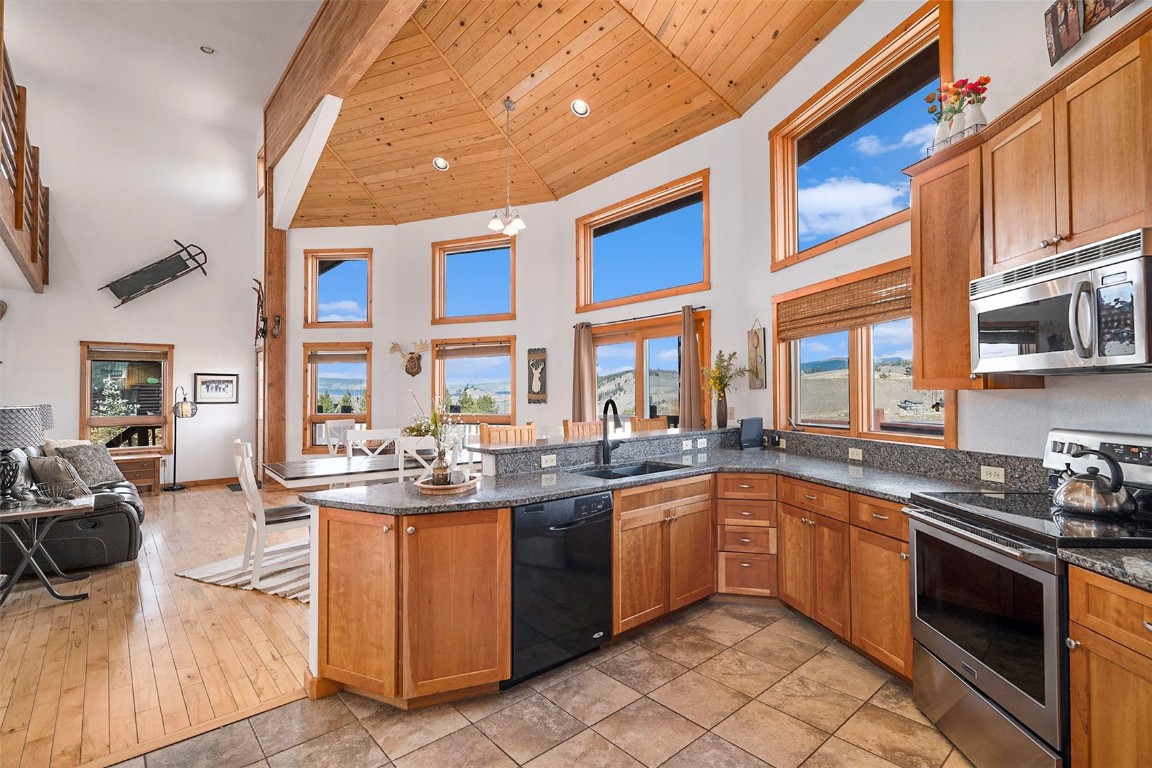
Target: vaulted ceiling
656,73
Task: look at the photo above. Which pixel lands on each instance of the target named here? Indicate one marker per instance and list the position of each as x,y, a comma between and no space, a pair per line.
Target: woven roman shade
864,302
473,349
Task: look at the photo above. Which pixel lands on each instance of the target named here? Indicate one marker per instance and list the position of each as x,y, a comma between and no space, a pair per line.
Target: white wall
125,181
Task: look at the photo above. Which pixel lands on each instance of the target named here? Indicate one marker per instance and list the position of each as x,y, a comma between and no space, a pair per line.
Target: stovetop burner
1031,516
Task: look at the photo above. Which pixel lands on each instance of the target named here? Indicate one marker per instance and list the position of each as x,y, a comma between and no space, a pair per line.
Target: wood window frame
932,22
310,415
859,350
164,420
441,250
645,201
438,383
312,259
637,331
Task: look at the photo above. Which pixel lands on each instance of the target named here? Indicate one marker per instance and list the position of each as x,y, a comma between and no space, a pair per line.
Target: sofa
109,534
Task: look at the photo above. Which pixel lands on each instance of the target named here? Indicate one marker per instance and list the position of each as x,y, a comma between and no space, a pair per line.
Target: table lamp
46,420
184,409
20,427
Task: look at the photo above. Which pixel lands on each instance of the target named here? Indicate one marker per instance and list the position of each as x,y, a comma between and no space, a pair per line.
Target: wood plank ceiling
656,73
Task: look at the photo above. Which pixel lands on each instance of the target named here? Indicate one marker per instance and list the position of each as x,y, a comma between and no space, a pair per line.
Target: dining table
324,470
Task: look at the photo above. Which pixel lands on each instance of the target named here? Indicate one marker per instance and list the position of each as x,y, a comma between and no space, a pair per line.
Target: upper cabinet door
1102,140
1020,192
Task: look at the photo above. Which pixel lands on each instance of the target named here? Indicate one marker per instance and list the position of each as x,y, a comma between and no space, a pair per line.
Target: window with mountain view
126,394
474,279
339,288
476,377
646,247
337,385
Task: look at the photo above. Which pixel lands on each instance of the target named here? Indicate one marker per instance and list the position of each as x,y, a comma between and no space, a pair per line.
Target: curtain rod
645,317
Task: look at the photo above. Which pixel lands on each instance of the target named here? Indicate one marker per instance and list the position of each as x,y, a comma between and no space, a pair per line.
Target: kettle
1094,494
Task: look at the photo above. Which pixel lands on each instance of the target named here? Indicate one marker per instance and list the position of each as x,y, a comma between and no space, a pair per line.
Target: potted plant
719,379
439,425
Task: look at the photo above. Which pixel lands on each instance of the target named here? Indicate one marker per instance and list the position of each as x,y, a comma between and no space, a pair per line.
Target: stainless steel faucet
607,445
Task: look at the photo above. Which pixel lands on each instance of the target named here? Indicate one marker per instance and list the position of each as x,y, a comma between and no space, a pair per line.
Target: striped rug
284,571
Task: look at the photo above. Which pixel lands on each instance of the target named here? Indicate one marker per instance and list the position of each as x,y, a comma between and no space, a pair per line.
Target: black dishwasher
561,581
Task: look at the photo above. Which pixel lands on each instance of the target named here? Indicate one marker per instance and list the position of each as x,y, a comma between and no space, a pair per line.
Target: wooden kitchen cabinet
1110,672
795,557
664,551
881,598
746,534
814,567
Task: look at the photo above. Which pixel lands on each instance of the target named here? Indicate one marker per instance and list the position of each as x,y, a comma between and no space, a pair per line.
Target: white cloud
668,355
340,311
920,138
817,347
842,204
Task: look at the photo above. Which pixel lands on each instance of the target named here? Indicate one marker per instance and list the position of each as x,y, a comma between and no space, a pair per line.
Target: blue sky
891,339
341,293
476,283
658,253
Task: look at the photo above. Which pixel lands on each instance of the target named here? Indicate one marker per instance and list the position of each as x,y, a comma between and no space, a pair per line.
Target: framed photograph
1095,11
537,375
1062,28
211,388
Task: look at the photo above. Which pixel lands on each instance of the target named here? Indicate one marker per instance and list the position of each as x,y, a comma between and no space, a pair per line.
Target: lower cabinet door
1111,703
456,600
881,614
639,568
795,557
691,554
830,574
357,587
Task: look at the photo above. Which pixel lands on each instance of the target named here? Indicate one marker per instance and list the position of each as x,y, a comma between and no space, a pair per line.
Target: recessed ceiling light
439,163
580,108
207,49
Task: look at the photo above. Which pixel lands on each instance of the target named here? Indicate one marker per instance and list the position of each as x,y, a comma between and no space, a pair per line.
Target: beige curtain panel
864,302
583,374
691,409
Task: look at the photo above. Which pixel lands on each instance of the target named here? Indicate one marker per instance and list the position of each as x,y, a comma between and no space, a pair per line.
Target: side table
142,469
36,520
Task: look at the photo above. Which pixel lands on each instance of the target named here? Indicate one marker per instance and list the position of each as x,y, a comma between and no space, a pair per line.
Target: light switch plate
686,445
783,443
731,411
992,474
547,460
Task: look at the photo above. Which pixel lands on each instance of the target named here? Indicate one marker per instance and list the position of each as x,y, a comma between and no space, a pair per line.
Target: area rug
284,571
235,487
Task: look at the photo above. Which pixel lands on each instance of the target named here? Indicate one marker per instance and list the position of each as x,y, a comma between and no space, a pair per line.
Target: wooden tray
426,487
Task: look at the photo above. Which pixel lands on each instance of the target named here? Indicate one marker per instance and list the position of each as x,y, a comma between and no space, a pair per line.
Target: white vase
941,138
976,117
957,126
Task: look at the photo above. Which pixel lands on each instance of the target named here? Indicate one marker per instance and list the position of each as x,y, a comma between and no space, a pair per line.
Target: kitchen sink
629,470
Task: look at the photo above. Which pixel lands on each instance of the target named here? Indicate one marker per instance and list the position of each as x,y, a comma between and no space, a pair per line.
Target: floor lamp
181,410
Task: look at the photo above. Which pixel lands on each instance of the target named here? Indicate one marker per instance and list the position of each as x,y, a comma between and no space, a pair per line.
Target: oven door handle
1082,349
1023,555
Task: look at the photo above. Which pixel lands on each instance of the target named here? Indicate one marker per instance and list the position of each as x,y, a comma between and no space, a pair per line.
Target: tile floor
719,685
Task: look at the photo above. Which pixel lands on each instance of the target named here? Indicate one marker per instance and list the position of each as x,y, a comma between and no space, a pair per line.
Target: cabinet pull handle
878,516
810,497
745,513
743,485
1071,644
411,529
387,528
1148,626
903,555
744,541
746,565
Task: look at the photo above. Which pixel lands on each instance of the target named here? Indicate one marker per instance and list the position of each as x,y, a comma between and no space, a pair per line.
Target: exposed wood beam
344,40
275,343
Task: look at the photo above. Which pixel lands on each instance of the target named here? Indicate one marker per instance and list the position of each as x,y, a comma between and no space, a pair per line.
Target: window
844,361
651,347
337,385
838,160
474,279
477,377
647,247
126,395
339,289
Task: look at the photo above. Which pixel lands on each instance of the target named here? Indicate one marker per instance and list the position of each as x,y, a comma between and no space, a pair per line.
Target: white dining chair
261,519
335,432
358,440
411,447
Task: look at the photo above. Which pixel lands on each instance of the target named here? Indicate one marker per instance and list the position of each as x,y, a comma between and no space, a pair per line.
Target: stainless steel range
989,601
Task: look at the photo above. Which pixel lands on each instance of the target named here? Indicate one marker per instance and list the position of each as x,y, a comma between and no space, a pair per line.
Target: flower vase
441,472
976,117
959,123
722,410
942,134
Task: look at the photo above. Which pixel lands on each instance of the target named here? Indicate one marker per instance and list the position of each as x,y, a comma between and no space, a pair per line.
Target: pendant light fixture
508,220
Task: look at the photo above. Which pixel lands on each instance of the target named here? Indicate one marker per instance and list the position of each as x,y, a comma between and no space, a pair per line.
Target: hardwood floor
150,657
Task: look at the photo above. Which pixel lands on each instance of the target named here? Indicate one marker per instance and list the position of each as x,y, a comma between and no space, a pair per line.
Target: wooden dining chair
580,429
519,433
334,433
648,425
261,519
370,442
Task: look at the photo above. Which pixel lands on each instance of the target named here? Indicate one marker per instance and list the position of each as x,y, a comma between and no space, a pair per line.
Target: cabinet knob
1071,644
810,497
411,529
744,541
1045,243
903,555
675,518
1058,238
387,528
804,520
878,516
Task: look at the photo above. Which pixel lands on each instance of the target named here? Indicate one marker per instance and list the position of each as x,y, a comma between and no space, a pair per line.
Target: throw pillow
93,463
58,475
50,446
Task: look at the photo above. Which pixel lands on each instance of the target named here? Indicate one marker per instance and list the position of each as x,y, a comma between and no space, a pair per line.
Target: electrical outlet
731,411
547,460
702,442
992,474
685,445
783,443
855,454
548,480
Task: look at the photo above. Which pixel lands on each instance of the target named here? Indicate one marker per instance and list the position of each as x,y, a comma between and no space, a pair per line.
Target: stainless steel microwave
1077,312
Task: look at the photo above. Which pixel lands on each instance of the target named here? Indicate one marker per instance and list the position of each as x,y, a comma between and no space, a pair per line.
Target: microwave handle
1082,350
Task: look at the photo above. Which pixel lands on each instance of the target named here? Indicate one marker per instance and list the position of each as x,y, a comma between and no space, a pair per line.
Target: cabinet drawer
1118,611
832,502
885,517
746,486
134,475
678,492
738,538
135,465
742,574
730,512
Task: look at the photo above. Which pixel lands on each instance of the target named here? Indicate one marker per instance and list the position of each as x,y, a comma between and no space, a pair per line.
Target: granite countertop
1131,566
535,487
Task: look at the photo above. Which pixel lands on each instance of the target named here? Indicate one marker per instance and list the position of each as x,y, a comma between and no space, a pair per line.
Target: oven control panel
1133,452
